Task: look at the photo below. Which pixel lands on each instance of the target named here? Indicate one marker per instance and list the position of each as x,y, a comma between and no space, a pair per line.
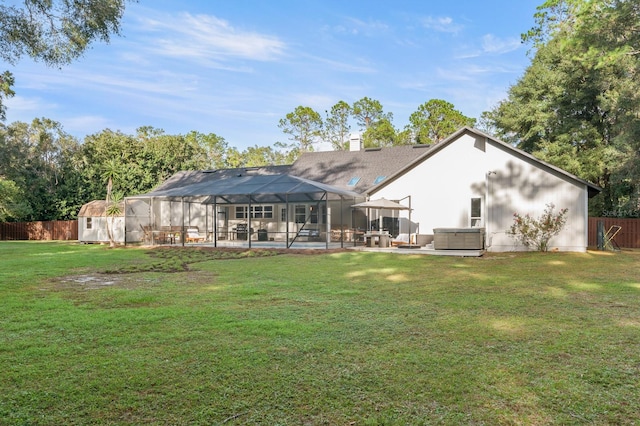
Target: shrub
537,232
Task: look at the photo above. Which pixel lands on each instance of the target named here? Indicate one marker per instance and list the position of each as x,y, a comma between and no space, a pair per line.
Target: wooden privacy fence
628,237
46,230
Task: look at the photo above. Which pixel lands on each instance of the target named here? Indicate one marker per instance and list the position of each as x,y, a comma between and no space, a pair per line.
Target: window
283,215
318,212
257,212
266,211
300,213
241,212
262,212
476,212
354,181
89,223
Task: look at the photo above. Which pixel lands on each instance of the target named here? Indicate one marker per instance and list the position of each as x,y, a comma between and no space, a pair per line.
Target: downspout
487,234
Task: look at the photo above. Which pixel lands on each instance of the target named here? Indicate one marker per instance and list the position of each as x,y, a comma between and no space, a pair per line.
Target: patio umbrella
382,204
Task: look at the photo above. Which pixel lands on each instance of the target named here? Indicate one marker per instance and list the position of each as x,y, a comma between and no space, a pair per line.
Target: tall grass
340,338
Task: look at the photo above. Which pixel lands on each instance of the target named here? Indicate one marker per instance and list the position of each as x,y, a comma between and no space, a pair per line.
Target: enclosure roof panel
239,187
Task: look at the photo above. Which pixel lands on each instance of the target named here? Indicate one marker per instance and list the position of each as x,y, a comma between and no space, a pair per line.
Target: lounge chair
400,240
193,236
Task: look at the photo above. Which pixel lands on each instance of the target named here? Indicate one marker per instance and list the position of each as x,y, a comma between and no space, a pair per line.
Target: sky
236,68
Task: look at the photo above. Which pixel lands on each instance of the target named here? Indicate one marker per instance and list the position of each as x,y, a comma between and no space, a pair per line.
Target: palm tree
113,209
112,172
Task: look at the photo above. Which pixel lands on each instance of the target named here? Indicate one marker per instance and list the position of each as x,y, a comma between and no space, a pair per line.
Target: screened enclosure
247,206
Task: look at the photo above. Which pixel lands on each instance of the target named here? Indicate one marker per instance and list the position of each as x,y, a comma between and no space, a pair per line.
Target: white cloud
20,104
368,28
206,37
493,44
442,24
353,65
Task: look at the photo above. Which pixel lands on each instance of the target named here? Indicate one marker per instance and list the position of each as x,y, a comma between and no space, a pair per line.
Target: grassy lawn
91,335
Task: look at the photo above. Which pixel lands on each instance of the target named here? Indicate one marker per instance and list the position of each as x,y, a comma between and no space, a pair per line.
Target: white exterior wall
442,186
98,232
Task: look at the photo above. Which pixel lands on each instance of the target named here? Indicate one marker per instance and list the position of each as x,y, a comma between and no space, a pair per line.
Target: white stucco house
473,180
470,181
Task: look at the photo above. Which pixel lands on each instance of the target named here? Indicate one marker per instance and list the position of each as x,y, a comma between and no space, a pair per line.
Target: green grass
91,335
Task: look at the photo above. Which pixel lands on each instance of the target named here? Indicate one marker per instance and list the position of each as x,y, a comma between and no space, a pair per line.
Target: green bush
537,232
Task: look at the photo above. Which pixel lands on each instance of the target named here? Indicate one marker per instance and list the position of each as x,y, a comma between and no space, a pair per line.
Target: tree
435,120
304,125
380,134
54,31
368,111
12,204
112,171
36,157
113,209
147,158
577,105
6,81
257,156
336,126
214,146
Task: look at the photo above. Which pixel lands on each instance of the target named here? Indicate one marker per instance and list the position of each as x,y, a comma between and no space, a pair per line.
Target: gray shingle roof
337,168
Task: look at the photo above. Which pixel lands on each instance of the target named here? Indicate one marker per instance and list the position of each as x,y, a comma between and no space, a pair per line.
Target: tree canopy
430,123
435,120
577,104
53,31
337,127
46,174
304,126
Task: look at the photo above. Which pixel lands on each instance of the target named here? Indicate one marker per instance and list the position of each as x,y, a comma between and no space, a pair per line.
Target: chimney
355,143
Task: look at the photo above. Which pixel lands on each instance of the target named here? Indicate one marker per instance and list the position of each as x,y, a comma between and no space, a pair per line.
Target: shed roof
97,208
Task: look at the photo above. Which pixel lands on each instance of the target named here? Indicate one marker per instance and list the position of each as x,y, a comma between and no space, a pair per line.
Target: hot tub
458,238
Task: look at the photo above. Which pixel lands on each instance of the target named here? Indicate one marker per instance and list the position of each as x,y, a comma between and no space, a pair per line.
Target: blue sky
235,68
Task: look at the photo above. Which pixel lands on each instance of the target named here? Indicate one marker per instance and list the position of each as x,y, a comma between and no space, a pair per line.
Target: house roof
592,189
341,173
371,166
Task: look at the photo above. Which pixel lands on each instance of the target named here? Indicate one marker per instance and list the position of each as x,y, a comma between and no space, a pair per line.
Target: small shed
92,223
